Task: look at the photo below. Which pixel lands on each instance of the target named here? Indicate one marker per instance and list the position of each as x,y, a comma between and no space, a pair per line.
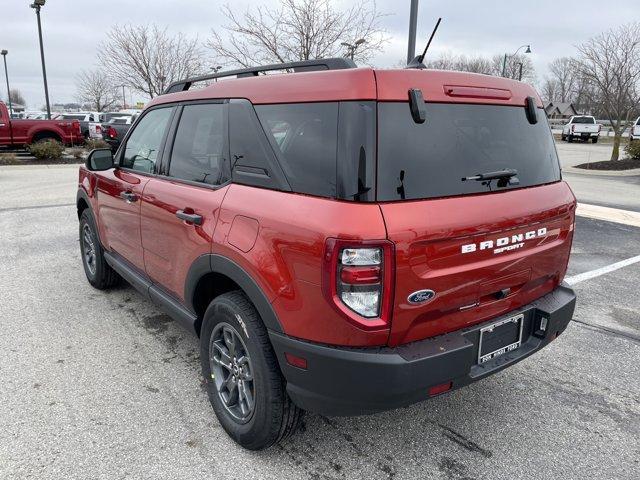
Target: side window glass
141,150
199,148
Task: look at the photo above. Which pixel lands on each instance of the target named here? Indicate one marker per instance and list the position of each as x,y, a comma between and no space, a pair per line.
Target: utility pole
6,74
37,4
413,23
124,99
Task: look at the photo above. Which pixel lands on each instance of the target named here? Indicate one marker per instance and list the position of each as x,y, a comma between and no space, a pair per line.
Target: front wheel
244,383
99,273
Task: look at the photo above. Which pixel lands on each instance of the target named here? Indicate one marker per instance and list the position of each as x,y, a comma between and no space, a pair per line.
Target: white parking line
601,271
617,215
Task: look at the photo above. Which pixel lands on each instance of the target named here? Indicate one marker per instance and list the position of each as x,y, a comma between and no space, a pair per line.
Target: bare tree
95,88
610,64
549,90
17,97
298,30
487,66
148,59
563,72
517,67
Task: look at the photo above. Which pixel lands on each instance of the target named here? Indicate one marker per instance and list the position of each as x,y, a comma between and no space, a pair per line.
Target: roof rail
301,66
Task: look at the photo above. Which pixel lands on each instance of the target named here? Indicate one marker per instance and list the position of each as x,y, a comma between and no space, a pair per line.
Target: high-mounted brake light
358,280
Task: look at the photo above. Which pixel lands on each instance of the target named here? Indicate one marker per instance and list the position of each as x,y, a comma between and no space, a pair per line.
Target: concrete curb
43,165
605,173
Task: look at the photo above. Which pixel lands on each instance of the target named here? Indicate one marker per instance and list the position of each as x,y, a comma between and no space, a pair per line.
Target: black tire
563,137
273,416
99,273
594,140
570,138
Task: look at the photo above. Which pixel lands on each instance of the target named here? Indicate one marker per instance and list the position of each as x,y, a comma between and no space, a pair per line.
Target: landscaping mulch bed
624,164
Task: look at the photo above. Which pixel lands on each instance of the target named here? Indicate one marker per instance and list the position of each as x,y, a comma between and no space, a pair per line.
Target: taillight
98,129
599,127
112,132
76,127
573,128
358,280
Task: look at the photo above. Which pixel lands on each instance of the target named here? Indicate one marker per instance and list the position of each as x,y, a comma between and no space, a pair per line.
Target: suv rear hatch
483,248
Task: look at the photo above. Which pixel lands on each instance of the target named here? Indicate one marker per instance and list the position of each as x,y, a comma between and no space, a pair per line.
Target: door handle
189,217
128,196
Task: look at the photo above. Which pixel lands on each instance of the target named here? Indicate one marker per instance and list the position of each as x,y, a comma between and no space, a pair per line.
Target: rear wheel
569,138
594,140
99,273
244,383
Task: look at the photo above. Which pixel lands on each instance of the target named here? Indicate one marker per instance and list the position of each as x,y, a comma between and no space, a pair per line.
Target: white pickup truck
583,127
634,132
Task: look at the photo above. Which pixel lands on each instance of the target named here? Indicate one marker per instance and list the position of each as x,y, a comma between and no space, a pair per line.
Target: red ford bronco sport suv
342,240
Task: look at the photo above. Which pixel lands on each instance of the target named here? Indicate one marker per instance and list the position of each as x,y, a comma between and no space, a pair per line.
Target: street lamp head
4,52
345,44
360,41
37,3
528,50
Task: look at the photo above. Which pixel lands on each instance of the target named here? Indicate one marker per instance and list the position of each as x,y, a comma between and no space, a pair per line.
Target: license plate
500,337
585,134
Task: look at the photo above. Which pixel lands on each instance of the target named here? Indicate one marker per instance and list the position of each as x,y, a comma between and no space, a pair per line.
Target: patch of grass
93,143
77,152
9,158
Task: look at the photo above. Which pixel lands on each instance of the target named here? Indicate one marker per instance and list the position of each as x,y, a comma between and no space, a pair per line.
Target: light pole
216,69
351,49
504,62
6,74
413,22
37,4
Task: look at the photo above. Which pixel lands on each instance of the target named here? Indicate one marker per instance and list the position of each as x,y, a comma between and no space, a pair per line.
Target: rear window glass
305,135
457,141
584,120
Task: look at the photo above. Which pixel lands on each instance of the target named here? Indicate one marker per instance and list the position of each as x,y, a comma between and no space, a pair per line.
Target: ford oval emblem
421,296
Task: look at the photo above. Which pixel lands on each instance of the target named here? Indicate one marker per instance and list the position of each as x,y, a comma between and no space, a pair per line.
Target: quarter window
199,148
142,148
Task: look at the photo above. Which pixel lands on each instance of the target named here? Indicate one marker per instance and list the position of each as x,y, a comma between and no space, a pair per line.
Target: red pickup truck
25,132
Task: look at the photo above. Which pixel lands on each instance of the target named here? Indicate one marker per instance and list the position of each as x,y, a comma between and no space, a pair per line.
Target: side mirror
100,159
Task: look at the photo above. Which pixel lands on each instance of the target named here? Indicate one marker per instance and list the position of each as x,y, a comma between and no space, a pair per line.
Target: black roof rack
302,66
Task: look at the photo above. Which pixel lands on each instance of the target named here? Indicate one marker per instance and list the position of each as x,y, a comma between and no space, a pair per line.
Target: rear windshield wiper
506,175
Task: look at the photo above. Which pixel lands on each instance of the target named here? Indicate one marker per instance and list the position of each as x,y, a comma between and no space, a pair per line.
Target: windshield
588,120
458,141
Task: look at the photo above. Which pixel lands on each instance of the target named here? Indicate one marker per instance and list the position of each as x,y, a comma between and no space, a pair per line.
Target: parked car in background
27,131
583,127
96,128
343,241
83,117
114,130
634,132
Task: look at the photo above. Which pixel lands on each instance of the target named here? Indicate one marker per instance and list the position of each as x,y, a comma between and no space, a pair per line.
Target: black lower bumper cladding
357,381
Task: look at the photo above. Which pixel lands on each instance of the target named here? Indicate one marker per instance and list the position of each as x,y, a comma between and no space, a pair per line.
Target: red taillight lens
599,127
98,129
112,133
358,280
573,128
360,275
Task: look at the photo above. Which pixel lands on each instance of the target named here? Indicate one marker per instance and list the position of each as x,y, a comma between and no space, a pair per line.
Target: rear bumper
356,381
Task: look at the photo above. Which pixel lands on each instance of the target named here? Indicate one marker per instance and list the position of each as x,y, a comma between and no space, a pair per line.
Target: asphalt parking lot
103,385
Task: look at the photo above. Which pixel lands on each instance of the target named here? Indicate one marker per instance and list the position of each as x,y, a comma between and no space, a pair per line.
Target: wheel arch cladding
82,202
211,275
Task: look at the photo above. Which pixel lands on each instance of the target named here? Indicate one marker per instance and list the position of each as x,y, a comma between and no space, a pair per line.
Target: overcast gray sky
73,29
